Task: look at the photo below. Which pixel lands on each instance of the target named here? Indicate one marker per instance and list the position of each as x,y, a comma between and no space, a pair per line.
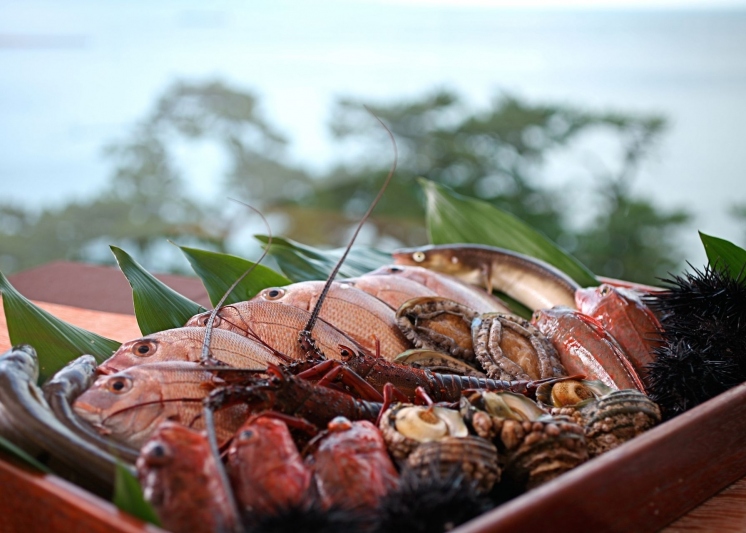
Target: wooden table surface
105,307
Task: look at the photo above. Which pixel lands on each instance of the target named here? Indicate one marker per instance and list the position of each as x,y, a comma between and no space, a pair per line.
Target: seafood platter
409,396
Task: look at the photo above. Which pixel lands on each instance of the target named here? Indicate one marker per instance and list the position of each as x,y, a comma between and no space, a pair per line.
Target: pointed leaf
12,449
303,263
56,342
129,498
452,218
219,271
157,306
725,255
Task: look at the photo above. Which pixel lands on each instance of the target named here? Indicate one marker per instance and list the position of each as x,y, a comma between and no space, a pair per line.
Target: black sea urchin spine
703,315
430,505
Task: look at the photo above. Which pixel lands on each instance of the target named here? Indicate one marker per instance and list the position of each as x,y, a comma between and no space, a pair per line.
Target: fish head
169,454
547,320
229,318
180,344
451,261
592,298
261,439
302,295
126,406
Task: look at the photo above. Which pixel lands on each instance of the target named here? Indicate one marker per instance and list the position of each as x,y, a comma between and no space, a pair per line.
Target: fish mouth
87,412
105,370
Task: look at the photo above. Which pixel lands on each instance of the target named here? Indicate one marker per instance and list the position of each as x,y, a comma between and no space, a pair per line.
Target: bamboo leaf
56,342
157,306
129,498
452,218
12,449
725,255
303,263
219,271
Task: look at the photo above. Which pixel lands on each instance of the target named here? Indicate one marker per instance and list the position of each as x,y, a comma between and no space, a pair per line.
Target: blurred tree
498,154
630,238
146,200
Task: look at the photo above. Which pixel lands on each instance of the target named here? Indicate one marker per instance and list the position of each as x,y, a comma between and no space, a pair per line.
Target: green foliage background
498,154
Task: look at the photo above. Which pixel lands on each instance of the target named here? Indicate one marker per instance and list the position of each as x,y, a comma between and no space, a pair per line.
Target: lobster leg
331,370
390,395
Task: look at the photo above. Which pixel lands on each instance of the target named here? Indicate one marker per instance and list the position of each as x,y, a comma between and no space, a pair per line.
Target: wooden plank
30,501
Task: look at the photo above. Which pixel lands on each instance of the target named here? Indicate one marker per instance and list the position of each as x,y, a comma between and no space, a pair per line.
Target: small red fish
181,480
267,472
352,466
586,348
624,315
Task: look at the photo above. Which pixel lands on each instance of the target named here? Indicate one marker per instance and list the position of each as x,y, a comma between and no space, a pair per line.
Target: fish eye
418,257
144,348
119,385
246,434
273,294
156,453
606,289
215,323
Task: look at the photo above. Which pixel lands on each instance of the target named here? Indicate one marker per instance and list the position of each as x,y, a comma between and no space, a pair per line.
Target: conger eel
534,283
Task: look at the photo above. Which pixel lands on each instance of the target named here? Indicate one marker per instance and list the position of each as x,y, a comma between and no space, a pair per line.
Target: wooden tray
641,486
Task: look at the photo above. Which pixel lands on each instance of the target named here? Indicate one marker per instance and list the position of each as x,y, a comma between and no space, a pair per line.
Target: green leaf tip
453,218
725,255
129,498
301,262
56,342
157,306
218,271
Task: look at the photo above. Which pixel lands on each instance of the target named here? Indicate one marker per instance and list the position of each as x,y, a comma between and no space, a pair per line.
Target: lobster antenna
205,357
305,336
215,451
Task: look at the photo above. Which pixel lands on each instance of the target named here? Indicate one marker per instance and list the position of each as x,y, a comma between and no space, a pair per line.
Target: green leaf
303,263
453,218
725,255
219,271
157,306
56,342
14,450
129,498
